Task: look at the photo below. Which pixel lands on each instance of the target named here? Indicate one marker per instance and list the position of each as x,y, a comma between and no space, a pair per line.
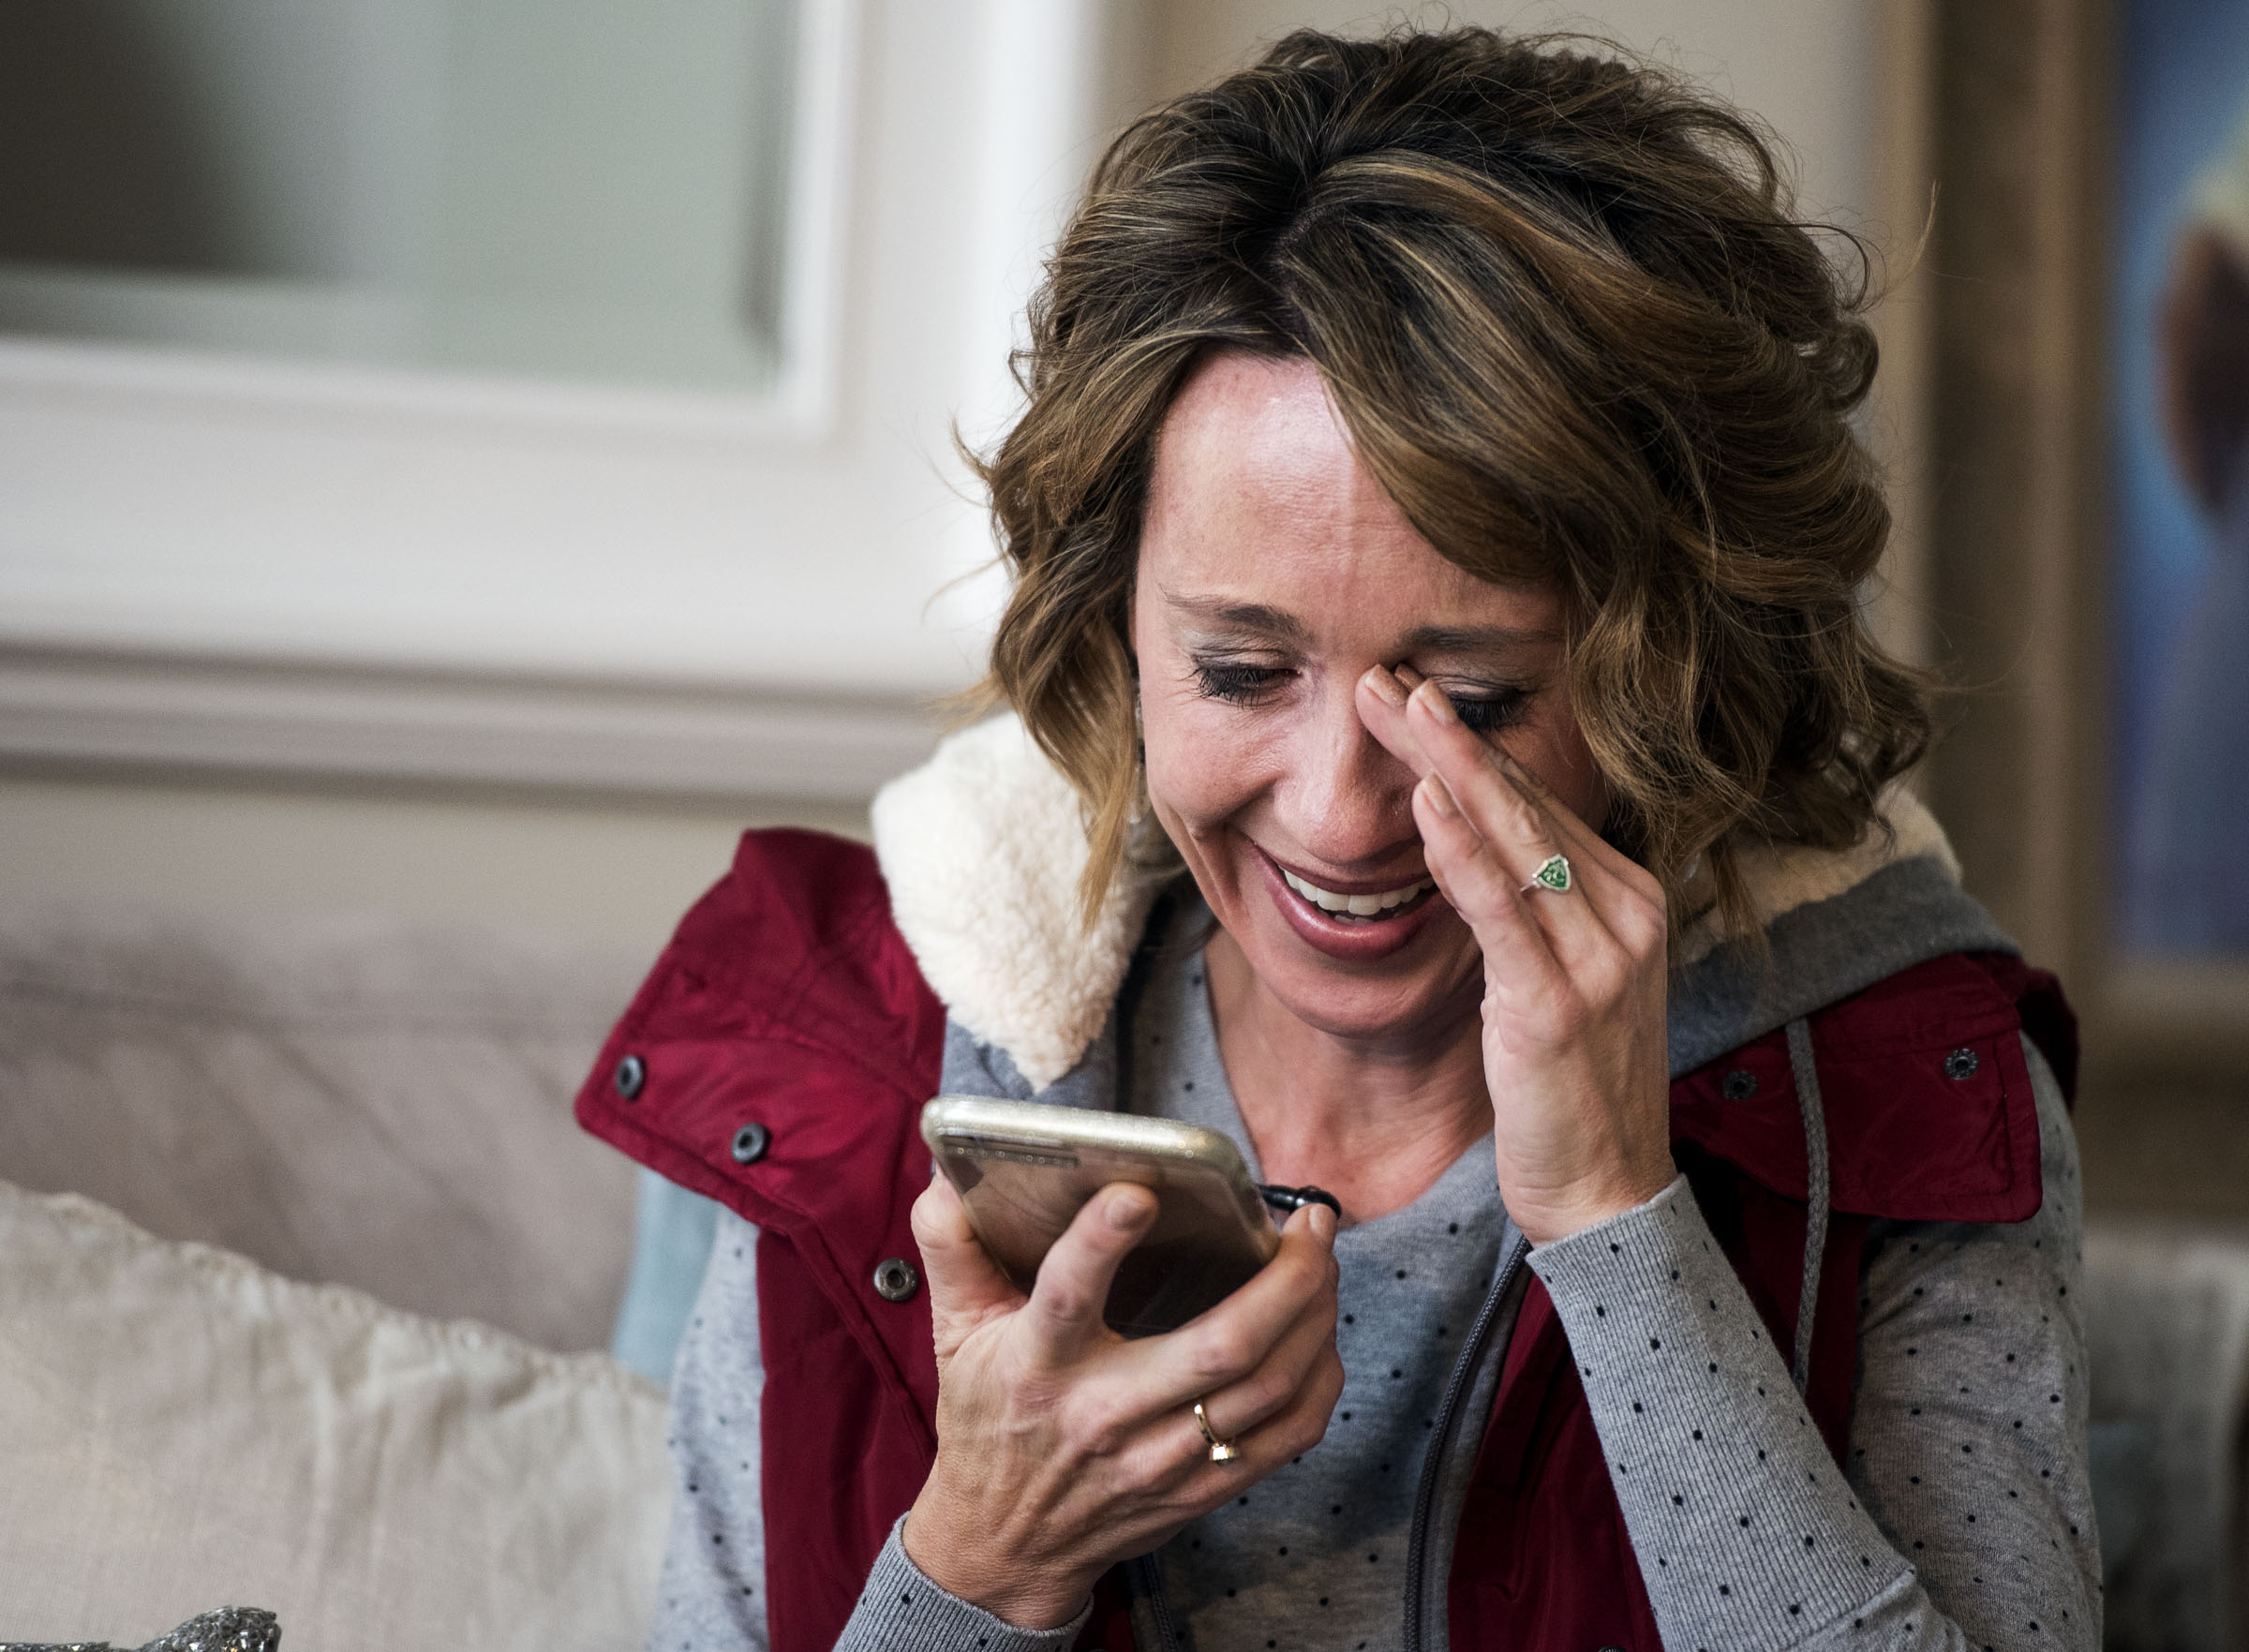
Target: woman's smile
1353,920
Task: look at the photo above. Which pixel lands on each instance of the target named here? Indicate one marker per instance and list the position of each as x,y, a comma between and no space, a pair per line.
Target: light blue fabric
671,1234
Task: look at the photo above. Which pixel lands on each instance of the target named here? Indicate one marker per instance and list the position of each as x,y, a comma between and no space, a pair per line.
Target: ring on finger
1221,1450
1553,874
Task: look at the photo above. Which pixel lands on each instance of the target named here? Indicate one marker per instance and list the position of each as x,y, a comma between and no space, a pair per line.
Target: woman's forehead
1259,432
1261,516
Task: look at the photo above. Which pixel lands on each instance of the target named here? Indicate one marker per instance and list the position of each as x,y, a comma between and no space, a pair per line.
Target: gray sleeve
901,1611
711,1595
1968,1428
1747,1534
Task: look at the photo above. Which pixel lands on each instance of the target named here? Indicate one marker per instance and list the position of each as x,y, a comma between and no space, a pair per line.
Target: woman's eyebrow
1426,639
1257,617
1475,639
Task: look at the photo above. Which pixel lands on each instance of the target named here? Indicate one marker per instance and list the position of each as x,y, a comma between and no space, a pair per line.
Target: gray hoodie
1961,1517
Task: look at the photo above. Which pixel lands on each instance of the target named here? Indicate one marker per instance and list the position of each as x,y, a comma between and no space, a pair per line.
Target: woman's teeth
1357,905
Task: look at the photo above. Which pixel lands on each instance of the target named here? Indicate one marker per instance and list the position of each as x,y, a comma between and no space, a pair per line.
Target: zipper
1441,1453
1147,1575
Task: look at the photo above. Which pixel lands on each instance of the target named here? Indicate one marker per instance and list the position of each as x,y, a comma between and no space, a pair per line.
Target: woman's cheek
1196,772
1558,754
1179,778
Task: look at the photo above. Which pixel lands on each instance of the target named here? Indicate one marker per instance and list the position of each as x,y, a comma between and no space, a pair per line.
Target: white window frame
211,561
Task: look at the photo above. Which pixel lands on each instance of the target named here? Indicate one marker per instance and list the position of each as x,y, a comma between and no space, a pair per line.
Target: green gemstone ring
1554,874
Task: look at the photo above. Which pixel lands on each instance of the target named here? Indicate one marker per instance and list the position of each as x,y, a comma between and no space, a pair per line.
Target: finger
1288,1432
1296,1427
1523,838
1587,848
1065,1310
1578,836
1521,965
1501,812
966,1285
1629,897
1299,1373
1380,699
1225,1344
1267,1391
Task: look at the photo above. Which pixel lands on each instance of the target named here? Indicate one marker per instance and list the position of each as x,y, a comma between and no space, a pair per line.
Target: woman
1446,757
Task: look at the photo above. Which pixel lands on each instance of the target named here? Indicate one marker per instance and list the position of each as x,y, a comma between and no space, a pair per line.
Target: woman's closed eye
1488,709
1237,682
1485,708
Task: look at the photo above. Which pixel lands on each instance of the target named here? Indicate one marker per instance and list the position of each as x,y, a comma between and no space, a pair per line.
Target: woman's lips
1377,904
1351,939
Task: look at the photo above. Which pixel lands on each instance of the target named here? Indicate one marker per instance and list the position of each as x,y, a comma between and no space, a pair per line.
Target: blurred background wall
436,610
231,831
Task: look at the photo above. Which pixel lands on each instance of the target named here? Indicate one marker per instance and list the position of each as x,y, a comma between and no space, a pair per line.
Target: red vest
789,1000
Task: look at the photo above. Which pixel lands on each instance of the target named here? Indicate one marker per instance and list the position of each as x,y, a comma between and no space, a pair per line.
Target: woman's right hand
1064,1448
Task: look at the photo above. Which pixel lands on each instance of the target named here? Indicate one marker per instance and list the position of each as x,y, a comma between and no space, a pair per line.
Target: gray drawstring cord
1815,1215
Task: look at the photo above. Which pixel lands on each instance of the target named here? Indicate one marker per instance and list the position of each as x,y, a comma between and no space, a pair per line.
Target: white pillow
182,1429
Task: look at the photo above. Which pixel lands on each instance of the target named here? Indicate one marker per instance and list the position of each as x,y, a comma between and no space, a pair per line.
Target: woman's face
1273,571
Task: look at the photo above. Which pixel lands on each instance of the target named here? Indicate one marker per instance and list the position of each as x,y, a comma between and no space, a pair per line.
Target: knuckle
1607,979
1306,1432
1222,1353
1647,911
1568,1018
1063,1297
1307,1268
1265,1391
928,1217
1096,1424
1516,814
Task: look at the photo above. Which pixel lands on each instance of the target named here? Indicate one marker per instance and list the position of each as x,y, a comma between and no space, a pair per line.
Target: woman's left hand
1574,1051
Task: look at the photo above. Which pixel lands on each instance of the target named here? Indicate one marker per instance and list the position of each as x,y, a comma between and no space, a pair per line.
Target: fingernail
1409,675
1433,701
1439,795
1386,686
1324,1224
1128,1209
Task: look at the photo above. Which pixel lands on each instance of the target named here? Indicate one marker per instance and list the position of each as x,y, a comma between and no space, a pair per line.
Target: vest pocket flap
1925,1089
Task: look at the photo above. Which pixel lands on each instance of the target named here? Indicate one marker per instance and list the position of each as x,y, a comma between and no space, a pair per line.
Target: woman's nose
1347,800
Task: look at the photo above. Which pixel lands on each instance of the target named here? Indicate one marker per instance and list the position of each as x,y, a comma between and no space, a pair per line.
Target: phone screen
1203,1246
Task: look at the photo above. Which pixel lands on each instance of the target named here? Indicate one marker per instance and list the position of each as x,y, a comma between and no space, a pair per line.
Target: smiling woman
1446,759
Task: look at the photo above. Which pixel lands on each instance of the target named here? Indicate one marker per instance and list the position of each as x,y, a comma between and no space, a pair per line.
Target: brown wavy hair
1564,311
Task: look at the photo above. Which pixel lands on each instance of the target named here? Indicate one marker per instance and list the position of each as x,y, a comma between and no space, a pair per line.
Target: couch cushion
2166,1329
364,1101
181,1426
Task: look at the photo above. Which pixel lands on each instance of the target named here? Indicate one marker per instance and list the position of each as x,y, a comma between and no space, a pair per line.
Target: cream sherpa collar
983,846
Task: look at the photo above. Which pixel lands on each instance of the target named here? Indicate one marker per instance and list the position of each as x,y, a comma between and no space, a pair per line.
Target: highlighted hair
1564,311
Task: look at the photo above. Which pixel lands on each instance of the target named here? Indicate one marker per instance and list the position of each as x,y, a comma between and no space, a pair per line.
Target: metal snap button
749,1143
1962,1063
631,1078
895,1280
1738,1085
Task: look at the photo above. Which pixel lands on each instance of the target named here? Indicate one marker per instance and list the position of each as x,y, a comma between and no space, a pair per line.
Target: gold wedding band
1221,1450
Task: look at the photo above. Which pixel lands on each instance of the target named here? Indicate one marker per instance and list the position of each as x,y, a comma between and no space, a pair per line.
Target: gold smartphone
1024,1170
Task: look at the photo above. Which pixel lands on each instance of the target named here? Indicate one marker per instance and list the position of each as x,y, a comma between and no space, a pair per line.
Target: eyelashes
1237,685
1486,712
